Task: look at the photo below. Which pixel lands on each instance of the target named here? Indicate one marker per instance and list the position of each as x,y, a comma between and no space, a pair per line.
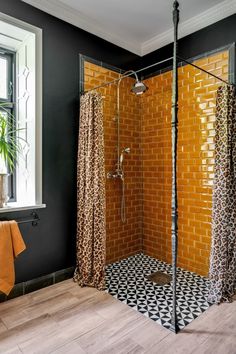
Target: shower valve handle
115,174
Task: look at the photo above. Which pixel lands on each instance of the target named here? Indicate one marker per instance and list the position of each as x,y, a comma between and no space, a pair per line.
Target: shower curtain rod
205,71
155,64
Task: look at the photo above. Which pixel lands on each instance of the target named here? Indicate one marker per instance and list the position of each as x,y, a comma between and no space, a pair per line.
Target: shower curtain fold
91,225
223,248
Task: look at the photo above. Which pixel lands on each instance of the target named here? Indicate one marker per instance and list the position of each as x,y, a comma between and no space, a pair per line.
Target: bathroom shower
138,88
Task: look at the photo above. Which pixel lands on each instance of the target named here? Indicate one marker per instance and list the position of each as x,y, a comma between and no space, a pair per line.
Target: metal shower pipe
126,74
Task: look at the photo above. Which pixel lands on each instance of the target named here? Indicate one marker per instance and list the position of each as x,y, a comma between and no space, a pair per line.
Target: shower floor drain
160,278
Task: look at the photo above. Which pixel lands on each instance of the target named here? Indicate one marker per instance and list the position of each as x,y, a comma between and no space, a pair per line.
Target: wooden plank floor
64,318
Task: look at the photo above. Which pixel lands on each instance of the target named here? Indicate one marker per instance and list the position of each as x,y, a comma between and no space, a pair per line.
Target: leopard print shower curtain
91,224
223,248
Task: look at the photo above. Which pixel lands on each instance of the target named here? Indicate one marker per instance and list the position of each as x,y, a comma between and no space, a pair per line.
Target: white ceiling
140,26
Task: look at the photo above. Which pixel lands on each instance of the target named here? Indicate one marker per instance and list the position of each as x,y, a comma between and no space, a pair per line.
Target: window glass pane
3,167
3,78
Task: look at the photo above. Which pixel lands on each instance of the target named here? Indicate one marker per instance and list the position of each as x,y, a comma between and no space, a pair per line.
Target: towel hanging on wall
11,245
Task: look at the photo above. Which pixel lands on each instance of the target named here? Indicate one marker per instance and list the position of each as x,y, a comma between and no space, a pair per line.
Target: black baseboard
38,283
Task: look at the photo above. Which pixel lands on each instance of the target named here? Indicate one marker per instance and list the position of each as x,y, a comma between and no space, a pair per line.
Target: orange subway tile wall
197,98
122,239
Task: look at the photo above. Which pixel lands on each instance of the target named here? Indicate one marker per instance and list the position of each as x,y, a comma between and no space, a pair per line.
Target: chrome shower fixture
119,172
139,87
124,151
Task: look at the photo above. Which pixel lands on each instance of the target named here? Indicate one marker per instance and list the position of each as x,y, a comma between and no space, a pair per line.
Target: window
21,93
6,75
7,95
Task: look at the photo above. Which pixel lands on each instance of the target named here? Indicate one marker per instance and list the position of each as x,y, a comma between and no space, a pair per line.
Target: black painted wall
51,245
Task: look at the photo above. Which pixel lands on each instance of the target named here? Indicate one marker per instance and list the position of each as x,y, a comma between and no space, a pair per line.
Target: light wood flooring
64,318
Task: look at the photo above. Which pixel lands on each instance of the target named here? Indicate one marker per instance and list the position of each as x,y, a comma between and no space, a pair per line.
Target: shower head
126,150
139,87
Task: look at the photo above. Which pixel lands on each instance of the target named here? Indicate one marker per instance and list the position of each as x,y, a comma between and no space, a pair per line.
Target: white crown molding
204,19
76,18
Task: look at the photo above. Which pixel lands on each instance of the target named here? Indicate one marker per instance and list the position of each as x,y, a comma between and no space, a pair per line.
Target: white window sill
19,207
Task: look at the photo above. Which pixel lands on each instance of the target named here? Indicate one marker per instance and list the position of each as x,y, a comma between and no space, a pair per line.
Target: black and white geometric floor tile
127,281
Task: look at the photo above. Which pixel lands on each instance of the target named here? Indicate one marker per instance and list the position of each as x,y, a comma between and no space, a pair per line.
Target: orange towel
11,245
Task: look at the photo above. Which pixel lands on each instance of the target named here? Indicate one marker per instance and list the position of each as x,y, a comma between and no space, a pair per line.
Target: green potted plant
10,149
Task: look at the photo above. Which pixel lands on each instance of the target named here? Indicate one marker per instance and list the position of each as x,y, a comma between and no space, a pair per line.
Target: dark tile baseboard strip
38,283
